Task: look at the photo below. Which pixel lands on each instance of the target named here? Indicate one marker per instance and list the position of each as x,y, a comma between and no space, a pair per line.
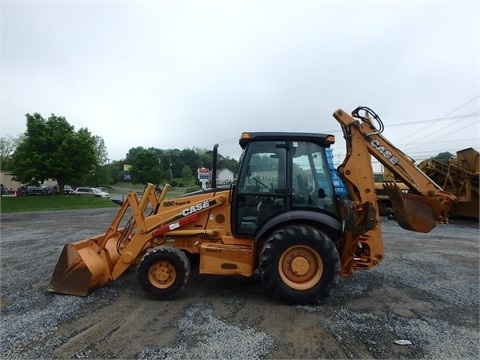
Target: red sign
203,174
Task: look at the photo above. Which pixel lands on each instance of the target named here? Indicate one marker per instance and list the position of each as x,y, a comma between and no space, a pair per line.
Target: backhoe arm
419,210
426,203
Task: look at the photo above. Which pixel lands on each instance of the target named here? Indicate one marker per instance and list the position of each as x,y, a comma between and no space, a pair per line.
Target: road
426,291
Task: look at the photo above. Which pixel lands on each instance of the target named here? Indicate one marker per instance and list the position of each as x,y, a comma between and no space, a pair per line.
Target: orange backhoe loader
281,217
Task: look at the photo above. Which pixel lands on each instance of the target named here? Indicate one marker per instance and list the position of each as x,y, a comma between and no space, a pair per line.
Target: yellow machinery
280,218
460,177
385,178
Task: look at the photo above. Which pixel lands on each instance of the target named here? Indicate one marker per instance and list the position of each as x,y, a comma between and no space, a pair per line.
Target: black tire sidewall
176,258
283,239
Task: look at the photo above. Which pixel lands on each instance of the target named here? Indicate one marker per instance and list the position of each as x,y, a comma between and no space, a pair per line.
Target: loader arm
89,264
418,210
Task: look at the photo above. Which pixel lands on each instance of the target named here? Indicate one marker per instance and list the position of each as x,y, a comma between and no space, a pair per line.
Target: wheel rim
300,267
162,274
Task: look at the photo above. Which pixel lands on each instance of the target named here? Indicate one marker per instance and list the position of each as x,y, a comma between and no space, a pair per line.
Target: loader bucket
84,266
413,212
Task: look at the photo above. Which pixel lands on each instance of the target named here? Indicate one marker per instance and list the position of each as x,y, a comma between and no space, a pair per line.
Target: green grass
69,202
47,203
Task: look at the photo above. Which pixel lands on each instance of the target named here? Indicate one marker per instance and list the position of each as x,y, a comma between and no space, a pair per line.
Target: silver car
92,192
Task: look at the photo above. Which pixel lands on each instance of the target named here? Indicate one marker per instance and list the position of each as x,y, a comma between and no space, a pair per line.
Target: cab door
261,190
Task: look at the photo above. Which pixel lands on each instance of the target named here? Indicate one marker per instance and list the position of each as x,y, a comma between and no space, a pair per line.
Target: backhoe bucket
413,212
84,266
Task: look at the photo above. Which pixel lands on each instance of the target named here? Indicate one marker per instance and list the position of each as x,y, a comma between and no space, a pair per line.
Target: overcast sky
184,74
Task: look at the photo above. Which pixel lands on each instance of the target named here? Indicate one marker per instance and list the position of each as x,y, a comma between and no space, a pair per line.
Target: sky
190,74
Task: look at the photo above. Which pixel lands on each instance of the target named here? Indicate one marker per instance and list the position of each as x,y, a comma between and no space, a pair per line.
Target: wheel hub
299,265
162,274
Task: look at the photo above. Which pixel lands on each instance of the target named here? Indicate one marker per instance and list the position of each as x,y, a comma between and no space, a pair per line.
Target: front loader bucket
413,212
89,264
84,267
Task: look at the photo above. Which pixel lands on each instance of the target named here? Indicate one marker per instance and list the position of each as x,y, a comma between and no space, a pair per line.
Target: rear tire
299,265
164,271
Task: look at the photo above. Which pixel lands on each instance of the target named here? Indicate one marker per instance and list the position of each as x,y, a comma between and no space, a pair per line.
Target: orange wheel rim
162,274
300,267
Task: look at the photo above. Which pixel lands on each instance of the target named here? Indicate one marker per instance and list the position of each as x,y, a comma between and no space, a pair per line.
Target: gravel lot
426,292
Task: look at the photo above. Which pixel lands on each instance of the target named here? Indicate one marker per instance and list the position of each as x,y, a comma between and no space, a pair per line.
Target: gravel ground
426,291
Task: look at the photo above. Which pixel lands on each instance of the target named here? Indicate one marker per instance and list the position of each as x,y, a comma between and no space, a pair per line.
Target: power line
444,141
430,122
408,123
451,132
451,129
461,117
433,122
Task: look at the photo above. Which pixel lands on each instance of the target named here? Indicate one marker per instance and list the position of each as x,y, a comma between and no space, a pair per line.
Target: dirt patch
426,291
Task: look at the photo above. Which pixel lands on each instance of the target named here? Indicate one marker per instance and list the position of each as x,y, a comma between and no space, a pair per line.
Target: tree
100,150
191,159
51,148
187,174
172,162
146,167
8,144
443,157
115,171
132,154
227,163
205,158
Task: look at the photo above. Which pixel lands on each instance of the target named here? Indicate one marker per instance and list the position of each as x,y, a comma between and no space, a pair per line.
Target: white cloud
184,74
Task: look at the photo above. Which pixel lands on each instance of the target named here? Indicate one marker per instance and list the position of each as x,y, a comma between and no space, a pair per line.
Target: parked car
68,190
92,192
36,190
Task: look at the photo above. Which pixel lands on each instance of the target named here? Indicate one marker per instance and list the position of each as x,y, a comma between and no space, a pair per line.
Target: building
225,176
9,183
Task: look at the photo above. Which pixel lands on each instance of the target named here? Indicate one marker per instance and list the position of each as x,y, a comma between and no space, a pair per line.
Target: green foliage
115,172
227,163
51,148
8,144
146,167
100,150
187,174
132,154
206,159
183,164
174,160
443,157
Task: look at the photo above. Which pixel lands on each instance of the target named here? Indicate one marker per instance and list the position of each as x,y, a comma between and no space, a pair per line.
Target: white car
92,191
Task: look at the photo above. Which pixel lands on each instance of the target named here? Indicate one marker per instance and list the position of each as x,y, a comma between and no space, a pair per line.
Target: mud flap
83,267
414,212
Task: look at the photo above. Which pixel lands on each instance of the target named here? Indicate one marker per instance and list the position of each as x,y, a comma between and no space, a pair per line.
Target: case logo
386,154
194,208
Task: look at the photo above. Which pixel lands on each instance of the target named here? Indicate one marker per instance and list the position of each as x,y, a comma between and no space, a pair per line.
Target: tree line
51,148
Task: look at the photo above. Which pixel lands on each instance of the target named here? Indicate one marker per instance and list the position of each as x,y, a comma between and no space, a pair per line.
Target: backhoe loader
281,218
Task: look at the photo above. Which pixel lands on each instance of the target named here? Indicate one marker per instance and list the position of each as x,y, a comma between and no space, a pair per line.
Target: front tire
164,271
299,265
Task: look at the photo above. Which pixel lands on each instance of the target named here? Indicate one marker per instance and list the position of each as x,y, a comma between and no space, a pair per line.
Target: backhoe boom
419,209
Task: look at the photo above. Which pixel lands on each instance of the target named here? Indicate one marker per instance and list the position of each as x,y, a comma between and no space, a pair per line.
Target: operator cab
282,173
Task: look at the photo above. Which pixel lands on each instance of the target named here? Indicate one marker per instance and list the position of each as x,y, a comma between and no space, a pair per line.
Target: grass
69,202
48,203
